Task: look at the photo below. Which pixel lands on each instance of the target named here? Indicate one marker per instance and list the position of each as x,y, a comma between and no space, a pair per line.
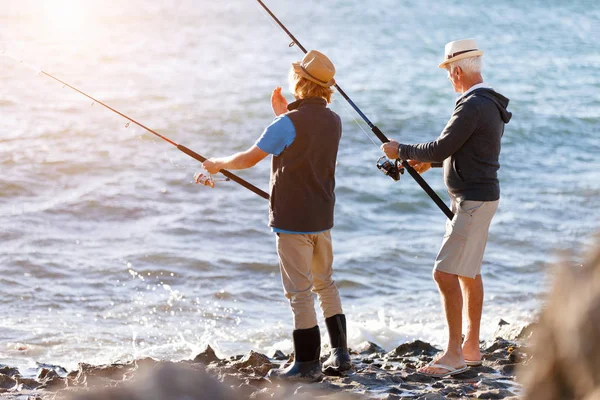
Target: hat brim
460,57
300,71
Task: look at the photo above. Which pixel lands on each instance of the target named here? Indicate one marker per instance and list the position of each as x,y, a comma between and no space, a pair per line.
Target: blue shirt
275,138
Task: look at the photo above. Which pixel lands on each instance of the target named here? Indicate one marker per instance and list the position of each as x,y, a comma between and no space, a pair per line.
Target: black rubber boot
307,350
339,360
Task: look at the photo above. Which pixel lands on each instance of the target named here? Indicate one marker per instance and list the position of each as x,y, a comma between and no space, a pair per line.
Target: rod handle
228,174
436,199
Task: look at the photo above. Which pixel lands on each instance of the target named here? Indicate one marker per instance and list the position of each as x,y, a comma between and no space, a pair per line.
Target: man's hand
419,166
390,149
278,102
212,165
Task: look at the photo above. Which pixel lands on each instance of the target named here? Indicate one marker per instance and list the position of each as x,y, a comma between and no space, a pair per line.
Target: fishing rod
387,166
206,181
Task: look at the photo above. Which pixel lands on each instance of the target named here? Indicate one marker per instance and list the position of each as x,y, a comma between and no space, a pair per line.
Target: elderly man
301,209
469,147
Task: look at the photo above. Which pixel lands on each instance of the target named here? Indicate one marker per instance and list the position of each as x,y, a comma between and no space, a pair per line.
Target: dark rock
516,356
369,348
483,369
207,356
26,383
508,369
415,348
57,368
509,331
6,370
90,375
53,384
394,390
256,361
416,377
468,374
499,343
438,385
45,374
495,394
7,382
432,396
493,384
277,355
144,363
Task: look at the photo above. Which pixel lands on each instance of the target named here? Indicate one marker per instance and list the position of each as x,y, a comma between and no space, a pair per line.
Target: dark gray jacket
469,146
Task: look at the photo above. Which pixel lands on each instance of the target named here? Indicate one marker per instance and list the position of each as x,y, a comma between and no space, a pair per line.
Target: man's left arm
458,130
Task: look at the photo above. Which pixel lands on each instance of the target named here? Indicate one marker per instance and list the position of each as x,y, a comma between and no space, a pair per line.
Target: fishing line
344,105
180,147
383,166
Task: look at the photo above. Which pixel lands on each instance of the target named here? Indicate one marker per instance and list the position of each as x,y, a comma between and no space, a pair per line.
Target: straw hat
317,68
460,49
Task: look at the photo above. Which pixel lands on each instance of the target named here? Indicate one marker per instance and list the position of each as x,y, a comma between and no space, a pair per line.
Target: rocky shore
378,374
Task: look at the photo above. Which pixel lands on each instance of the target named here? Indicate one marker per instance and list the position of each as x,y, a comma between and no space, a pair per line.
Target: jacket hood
500,101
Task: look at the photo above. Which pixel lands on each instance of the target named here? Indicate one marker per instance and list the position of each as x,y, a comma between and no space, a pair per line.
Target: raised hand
278,102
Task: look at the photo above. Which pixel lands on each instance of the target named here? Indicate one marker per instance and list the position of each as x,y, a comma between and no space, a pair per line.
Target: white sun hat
458,50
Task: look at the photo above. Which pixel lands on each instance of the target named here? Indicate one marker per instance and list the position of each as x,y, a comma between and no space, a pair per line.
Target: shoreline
377,374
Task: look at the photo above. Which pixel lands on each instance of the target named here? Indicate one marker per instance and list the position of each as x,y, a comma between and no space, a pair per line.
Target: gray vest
303,175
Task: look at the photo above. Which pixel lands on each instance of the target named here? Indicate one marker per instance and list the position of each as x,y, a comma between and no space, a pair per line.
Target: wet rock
256,361
7,382
495,394
369,348
91,375
277,355
483,369
416,377
394,390
54,383
45,374
26,383
493,384
468,374
167,381
508,369
499,344
516,356
432,396
6,370
144,363
510,331
438,385
57,368
416,348
207,356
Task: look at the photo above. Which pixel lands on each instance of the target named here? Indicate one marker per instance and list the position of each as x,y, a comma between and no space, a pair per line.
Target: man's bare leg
472,290
450,291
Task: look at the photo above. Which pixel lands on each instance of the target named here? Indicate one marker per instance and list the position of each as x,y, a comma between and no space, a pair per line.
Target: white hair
470,65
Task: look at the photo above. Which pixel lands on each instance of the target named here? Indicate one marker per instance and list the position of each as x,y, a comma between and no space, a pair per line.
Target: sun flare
65,15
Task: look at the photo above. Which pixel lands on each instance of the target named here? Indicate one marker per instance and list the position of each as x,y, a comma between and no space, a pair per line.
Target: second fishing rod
386,166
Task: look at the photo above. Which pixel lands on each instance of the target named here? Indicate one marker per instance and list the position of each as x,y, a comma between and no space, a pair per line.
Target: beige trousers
306,261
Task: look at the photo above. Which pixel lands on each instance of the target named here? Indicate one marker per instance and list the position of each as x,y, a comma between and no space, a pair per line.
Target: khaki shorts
465,239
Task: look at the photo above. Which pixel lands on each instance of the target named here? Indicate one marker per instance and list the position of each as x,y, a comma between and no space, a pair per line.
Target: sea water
108,251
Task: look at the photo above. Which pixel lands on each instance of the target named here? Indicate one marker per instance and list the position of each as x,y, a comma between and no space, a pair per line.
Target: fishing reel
391,168
209,181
